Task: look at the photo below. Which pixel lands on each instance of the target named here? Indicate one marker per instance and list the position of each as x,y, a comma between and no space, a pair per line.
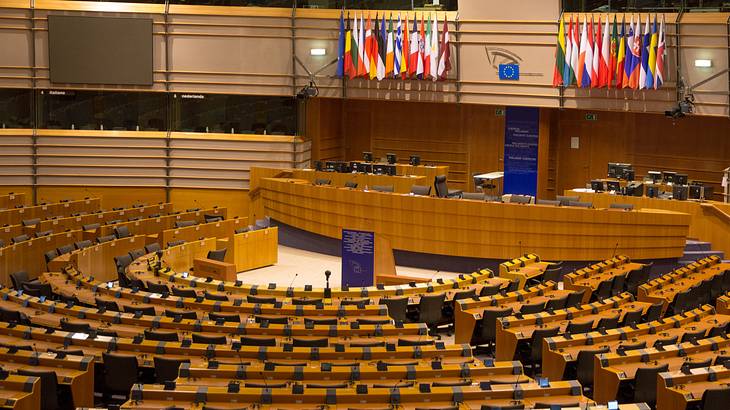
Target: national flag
349,66
445,57
613,60
575,44
421,50
413,55
645,44
660,57
567,72
368,51
605,62
427,51
363,67
341,48
635,57
588,66
405,54
629,61
583,75
559,71
621,56
435,48
398,48
374,50
596,53
654,42
382,48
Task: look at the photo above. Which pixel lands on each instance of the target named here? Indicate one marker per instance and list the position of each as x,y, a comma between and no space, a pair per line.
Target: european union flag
509,71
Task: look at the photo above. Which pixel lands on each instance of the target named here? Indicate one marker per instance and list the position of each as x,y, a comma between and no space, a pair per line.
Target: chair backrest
184,293
20,238
513,286
693,336
136,253
365,321
161,336
120,372
321,181
633,279
105,238
109,305
617,286
536,342
654,312
49,387
575,298
585,365
465,294
41,234
442,190
225,317
218,254
632,317
683,301
90,227
175,243
556,303
31,222
264,300
212,218
350,184
320,342
258,341
306,301
553,274
716,399
274,320
183,314
548,202
355,302
209,340
383,188
167,369
18,278
580,204
75,327
604,289
477,196
490,290
565,200
645,383
532,308
417,342
62,250
626,207
152,248
83,244
489,322
396,307
520,199
145,310
423,190
121,232
216,296
430,308
659,343
608,322
575,328
160,288
50,255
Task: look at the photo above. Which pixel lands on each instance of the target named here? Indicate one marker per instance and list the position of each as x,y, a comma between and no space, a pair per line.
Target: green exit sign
591,117
499,112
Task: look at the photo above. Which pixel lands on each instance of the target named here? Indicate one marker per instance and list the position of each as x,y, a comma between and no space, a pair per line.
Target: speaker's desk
470,228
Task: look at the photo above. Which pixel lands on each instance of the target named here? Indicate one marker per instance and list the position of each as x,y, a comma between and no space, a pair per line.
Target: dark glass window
240,3
239,114
377,4
630,5
93,110
16,108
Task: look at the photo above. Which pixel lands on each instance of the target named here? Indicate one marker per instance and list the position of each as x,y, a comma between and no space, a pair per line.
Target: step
692,245
693,256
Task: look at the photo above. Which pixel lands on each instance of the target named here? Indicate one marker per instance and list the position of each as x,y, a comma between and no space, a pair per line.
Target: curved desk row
467,228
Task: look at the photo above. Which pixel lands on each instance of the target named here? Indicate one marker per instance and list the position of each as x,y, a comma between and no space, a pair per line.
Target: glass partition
645,5
16,108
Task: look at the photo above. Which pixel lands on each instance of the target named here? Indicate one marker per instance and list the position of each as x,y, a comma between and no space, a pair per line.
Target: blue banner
358,258
521,137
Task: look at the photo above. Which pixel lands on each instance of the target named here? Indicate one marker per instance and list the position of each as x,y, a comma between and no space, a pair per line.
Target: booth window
16,110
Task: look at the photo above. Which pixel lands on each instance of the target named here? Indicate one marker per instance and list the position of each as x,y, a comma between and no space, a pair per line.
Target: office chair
442,190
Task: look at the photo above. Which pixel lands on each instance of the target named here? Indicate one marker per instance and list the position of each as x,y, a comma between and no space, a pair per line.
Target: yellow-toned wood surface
252,250
180,258
14,390
10,200
401,184
473,228
221,229
28,256
709,221
17,215
99,259
235,201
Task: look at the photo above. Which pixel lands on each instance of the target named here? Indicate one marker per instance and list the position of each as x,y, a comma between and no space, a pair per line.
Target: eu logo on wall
509,71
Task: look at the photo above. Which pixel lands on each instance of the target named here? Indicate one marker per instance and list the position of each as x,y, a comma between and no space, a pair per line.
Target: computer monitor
391,158
695,190
681,179
597,186
616,169
635,189
680,192
380,169
415,160
330,166
367,156
668,176
709,191
652,191
318,165
614,186
654,176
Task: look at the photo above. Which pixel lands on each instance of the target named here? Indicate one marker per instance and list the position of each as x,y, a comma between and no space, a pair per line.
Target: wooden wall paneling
235,201
543,153
111,196
324,128
16,157
357,128
484,132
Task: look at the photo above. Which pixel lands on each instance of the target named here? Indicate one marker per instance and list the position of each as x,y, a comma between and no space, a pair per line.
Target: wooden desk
21,392
11,231
209,268
28,256
155,226
401,184
723,304
98,259
511,330
473,228
679,391
17,215
590,279
221,229
709,221
523,268
559,352
253,249
76,222
10,200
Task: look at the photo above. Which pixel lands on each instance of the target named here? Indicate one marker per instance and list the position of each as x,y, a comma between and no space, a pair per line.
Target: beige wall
248,50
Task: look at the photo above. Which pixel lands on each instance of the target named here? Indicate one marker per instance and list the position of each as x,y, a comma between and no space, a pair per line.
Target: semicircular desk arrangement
127,318
471,228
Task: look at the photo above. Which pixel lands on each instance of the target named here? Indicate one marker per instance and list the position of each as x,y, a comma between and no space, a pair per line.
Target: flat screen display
100,50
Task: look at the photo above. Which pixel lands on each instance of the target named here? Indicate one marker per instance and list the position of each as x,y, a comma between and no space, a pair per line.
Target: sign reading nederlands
358,258
521,133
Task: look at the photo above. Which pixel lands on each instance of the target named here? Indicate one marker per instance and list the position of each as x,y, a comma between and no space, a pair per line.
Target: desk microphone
293,279
520,242
614,251
434,274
